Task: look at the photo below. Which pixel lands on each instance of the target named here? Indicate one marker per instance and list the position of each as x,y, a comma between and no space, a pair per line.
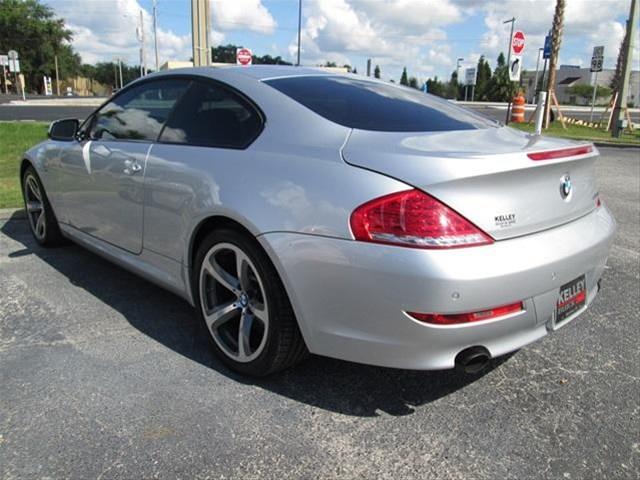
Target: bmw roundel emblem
565,186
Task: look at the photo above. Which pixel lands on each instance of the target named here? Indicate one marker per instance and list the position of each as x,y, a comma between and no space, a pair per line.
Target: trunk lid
485,175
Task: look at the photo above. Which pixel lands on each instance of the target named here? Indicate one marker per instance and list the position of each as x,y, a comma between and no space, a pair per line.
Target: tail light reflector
414,219
454,319
561,153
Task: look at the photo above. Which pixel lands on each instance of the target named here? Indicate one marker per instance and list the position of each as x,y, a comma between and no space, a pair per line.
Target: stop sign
243,56
517,43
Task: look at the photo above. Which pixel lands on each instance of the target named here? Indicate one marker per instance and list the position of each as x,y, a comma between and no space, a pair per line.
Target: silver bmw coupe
301,211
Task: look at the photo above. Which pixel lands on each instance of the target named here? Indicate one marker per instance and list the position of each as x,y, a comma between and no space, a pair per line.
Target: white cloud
250,15
593,22
107,29
391,32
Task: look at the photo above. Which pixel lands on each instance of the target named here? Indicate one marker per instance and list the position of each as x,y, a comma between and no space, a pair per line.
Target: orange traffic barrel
517,109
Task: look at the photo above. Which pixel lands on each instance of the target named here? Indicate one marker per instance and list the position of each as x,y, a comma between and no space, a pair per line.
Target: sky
425,36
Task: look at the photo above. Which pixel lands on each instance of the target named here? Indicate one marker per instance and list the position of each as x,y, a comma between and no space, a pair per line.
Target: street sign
515,68
14,65
517,43
4,60
546,54
470,76
597,59
243,56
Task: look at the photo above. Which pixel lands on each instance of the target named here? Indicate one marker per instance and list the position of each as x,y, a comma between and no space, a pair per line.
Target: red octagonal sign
243,56
517,43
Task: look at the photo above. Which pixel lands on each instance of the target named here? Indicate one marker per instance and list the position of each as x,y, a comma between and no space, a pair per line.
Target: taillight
444,319
414,219
598,202
561,153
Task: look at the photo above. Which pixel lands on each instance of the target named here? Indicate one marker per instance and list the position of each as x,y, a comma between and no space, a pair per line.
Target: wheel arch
213,222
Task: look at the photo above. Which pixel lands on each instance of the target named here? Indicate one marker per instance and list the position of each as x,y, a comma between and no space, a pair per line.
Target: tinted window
138,113
370,105
212,116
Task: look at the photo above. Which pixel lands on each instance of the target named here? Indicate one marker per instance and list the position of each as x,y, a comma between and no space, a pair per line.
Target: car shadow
334,385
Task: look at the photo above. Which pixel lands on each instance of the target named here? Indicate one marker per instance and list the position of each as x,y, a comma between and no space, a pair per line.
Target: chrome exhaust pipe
472,359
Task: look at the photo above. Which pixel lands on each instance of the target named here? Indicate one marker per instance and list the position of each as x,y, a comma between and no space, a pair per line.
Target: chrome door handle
131,167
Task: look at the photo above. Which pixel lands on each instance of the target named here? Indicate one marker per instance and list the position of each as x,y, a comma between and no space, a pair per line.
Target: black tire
284,345
47,232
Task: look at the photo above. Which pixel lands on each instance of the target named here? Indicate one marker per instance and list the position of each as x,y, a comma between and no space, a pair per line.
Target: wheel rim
35,206
233,302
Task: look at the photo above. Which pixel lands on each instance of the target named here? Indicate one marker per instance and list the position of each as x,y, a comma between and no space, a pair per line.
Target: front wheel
42,220
244,306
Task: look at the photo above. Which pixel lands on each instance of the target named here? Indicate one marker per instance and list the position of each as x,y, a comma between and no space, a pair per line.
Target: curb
12,214
616,145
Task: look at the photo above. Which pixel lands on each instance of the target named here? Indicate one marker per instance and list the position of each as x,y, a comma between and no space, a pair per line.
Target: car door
102,177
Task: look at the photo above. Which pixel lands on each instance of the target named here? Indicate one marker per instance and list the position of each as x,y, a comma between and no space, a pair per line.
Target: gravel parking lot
103,375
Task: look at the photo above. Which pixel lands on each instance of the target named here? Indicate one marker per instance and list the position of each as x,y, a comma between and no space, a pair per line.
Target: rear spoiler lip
564,152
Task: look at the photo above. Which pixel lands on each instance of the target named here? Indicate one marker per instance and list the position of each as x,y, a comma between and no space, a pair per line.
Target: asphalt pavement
104,375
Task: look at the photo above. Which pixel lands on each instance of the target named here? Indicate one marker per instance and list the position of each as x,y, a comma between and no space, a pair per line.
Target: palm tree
556,39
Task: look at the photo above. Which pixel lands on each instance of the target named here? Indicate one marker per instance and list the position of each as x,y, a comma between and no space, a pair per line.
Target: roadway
35,110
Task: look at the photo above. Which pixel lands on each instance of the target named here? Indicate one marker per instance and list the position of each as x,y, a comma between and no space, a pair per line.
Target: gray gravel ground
103,375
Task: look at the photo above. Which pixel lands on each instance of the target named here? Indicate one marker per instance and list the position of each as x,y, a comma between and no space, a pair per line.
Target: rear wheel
42,221
243,305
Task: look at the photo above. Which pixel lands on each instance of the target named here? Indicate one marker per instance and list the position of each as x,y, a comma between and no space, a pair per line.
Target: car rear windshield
369,105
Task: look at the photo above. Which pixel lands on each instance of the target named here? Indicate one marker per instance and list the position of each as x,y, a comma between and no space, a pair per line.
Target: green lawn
578,132
15,138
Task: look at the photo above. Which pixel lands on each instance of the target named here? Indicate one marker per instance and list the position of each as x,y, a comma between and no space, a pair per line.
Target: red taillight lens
562,153
414,219
441,319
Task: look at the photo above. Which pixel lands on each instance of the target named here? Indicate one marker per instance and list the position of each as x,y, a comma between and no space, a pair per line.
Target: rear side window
211,115
370,105
138,113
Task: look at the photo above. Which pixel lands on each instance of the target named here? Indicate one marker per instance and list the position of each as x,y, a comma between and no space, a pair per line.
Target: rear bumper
350,297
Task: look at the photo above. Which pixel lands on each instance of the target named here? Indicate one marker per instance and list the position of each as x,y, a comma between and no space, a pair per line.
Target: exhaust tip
472,359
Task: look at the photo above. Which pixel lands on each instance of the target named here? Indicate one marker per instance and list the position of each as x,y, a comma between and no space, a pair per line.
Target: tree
355,70
436,87
556,40
31,28
376,71
413,82
106,72
227,54
500,88
586,91
453,87
403,79
482,79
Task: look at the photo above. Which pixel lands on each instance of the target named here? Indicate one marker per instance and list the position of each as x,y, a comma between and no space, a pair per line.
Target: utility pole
618,112
200,28
120,69
299,28
512,21
556,40
143,60
55,59
155,32
115,74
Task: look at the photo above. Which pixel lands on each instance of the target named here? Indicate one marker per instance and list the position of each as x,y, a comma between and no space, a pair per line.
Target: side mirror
64,130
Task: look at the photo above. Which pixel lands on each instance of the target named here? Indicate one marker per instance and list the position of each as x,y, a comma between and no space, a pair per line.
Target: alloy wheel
233,302
35,206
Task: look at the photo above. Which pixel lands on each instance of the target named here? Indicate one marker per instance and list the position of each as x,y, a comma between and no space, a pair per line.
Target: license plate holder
572,297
